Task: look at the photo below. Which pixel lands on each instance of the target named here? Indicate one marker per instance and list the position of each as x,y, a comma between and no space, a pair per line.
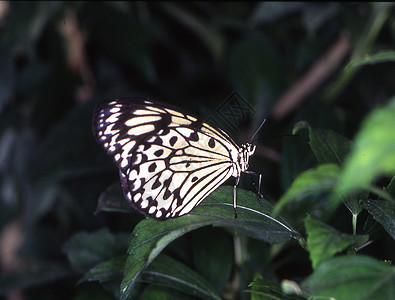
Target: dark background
59,59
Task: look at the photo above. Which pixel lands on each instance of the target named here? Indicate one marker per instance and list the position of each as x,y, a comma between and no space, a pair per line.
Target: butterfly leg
235,196
258,189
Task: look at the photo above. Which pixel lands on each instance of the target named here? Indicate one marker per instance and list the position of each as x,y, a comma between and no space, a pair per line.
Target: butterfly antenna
256,132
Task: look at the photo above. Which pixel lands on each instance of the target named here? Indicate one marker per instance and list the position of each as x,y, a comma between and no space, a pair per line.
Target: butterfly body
168,159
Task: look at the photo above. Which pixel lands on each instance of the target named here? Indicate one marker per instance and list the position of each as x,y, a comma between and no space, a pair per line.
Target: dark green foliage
326,224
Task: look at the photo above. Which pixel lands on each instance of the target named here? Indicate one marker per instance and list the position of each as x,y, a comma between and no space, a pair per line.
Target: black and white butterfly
168,160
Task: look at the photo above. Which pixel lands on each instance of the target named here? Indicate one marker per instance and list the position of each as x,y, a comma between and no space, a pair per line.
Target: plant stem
354,223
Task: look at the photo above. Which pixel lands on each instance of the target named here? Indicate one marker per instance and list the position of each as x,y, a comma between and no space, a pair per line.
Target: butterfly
168,159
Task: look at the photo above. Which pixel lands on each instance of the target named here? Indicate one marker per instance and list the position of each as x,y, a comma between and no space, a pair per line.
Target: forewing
169,161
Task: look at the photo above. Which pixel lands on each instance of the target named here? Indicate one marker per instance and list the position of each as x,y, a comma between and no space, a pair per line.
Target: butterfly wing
168,160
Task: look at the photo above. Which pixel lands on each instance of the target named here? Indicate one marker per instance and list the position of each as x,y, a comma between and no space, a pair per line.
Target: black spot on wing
194,137
152,167
173,140
151,202
158,153
176,195
156,184
167,194
211,143
158,141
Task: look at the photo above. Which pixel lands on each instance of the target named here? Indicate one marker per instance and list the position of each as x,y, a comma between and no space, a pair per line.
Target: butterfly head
245,151
248,149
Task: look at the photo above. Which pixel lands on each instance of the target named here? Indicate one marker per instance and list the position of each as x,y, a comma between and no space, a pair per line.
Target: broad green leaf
330,147
93,293
166,271
214,263
382,210
150,237
296,157
109,270
262,289
85,250
113,200
323,241
256,258
383,56
352,277
163,271
391,187
319,180
373,152
163,293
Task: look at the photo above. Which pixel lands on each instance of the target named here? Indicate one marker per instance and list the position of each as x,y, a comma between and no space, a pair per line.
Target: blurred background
59,59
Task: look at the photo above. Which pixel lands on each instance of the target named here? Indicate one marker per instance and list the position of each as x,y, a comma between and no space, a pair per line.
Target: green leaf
391,187
323,241
163,293
166,271
92,293
262,289
150,237
373,152
383,56
319,180
351,277
85,250
113,200
382,210
296,157
328,146
214,263
109,270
